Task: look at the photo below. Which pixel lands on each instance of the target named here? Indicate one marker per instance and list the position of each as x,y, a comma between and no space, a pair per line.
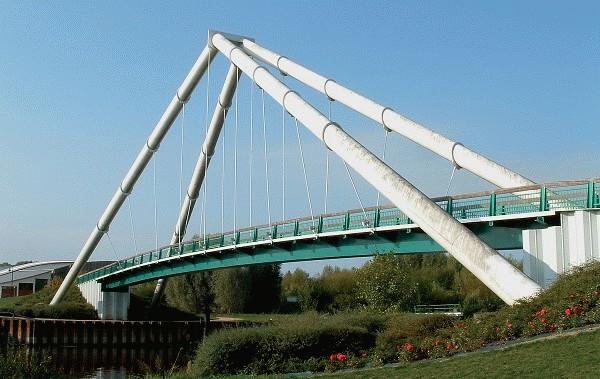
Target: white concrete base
110,305
555,250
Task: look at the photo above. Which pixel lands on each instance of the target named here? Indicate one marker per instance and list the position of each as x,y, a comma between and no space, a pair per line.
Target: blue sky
82,84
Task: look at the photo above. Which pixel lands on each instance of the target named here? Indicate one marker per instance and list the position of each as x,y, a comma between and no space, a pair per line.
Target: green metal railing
561,196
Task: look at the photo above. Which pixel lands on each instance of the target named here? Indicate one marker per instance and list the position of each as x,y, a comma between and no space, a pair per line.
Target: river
119,362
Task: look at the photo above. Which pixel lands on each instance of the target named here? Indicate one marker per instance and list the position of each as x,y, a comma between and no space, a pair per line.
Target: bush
299,345
25,364
73,306
405,330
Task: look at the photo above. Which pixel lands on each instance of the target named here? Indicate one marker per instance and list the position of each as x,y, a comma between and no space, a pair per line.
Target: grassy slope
564,355
8,301
569,356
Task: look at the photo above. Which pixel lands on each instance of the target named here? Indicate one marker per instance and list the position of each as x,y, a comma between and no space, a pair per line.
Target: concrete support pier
552,251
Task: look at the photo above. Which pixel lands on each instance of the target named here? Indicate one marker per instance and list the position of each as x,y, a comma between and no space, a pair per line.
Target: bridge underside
501,235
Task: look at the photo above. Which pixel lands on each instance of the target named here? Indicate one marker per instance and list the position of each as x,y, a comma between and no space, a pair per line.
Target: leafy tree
342,286
265,288
192,292
251,289
232,288
384,284
309,291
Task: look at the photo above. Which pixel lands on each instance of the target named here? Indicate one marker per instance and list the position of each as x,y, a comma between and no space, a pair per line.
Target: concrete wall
110,305
553,251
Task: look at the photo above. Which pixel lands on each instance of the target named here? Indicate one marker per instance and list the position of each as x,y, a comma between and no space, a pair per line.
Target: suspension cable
205,184
355,190
223,177
155,202
387,132
251,158
282,158
327,166
451,177
235,151
132,228
264,121
181,169
113,248
312,217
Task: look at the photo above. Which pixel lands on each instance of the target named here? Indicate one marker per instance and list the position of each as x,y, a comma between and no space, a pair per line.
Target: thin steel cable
251,158
312,217
132,228
113,247
327,167
282,159
264,121
355,190
181,170
387,132
205,184
155,202
235,152
223,177
451,177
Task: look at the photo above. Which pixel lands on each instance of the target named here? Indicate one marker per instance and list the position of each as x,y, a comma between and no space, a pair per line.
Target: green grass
570,356
8,301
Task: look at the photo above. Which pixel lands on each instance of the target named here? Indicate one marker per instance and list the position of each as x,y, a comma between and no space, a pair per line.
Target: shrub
295,346
25,364
73,306
404,331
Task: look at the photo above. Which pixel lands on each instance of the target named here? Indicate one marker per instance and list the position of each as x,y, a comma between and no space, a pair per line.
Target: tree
309,292
342,286
384,284
232,289
192,292
248,289
265,288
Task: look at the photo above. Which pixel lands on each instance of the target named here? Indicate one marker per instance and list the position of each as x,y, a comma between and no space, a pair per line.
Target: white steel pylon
491,268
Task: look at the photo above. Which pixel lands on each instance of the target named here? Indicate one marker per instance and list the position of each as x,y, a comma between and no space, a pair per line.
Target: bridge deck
357,233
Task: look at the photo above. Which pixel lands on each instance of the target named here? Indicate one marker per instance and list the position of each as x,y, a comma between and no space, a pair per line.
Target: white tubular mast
206,153
485,263
459,155
152,144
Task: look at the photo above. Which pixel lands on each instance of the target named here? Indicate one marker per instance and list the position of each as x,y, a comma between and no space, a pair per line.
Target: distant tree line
387,283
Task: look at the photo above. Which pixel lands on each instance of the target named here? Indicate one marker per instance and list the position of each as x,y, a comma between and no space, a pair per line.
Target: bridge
469,227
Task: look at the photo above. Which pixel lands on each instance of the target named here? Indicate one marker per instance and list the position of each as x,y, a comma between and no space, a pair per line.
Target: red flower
449,347
332,358
341,357
571,296
568,312
409,347
364,355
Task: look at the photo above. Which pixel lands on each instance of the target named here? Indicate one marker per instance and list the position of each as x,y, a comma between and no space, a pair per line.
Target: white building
28,278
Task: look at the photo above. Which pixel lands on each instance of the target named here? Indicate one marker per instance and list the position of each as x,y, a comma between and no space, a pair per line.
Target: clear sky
82,84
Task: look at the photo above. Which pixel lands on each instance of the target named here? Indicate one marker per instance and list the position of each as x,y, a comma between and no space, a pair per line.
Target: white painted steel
556,250
206,153
455,152
152,144
485,263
